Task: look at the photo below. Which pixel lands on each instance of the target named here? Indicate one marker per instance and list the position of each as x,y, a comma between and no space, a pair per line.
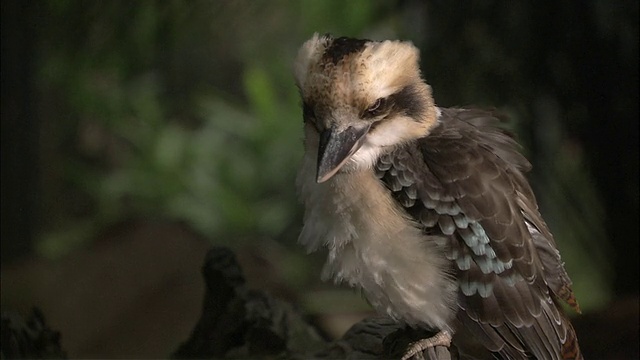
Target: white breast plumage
373,246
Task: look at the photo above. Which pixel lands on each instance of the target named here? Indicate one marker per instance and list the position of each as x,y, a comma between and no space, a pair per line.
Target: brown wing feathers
464,181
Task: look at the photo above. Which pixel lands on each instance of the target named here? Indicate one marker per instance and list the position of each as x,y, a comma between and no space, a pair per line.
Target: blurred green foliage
215,151
187,111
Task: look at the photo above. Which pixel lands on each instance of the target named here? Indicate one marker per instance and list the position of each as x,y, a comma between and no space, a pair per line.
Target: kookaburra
425,209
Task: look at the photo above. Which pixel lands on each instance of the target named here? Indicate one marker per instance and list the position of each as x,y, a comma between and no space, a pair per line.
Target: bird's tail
570,348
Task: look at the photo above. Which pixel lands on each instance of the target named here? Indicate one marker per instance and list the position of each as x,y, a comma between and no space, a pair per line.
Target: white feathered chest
372,245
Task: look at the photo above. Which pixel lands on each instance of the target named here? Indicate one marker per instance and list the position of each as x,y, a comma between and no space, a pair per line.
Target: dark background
137,134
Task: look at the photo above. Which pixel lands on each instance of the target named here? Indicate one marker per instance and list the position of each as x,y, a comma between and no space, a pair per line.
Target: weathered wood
29,339
238,322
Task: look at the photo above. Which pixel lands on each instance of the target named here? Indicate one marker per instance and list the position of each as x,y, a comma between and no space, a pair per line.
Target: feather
429,213
467,176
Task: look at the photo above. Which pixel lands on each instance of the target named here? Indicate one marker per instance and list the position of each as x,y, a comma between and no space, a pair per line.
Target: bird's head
360,97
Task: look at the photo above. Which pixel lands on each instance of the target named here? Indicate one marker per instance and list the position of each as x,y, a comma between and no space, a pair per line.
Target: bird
425,210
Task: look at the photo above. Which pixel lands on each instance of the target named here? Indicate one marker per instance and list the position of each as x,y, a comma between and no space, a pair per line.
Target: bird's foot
443,338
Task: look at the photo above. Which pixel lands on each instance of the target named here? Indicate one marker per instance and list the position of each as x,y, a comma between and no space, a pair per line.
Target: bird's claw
442,338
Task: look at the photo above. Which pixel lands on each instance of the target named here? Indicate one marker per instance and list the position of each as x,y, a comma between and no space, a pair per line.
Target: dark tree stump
237,322
30,339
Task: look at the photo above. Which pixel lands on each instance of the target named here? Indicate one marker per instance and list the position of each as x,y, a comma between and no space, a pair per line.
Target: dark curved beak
336,147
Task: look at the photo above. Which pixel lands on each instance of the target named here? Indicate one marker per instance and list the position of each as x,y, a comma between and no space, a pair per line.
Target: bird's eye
376,108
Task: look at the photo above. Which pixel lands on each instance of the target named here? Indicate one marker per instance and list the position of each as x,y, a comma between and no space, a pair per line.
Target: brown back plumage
465,182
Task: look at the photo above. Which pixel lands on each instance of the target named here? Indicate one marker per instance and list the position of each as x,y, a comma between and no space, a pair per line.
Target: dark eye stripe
408,100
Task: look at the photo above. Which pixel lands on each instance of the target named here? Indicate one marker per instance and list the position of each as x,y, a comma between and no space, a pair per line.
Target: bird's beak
336,147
